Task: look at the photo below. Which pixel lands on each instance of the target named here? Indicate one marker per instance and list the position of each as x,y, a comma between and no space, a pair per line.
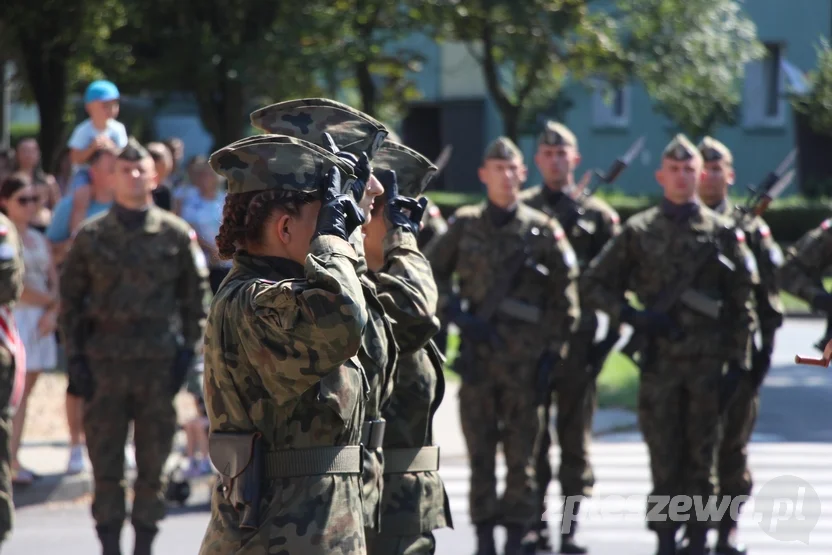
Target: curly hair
245,214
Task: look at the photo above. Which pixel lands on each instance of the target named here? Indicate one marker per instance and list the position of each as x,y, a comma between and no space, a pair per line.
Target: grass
617,383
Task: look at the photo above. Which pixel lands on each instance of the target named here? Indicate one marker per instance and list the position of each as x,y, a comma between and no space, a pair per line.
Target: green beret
556,134
309,118
265,162
413,171
713,150
133,151
681,149
502,148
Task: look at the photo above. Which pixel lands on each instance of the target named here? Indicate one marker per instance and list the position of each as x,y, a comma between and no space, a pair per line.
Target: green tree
817,102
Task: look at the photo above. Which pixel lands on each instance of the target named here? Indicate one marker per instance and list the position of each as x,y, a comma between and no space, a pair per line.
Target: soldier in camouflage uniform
414,502
683,366
502,353
284,390
589,223
741,415
348,132
134,276
12,361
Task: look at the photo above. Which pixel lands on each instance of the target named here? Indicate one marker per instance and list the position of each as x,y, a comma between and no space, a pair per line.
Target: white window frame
758,93
603,111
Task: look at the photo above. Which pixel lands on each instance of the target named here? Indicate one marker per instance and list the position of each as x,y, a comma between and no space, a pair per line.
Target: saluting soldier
741,414
679,243
415,502
133,307
589,223
518,274
284,391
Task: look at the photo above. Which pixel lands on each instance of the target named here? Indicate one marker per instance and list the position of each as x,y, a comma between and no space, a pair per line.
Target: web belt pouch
372,433
239,458
413,459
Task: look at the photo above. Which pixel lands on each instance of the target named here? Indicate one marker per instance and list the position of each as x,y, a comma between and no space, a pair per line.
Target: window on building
611,106
764,104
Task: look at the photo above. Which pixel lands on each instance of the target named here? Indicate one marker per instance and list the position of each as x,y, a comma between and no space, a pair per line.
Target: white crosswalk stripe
782,512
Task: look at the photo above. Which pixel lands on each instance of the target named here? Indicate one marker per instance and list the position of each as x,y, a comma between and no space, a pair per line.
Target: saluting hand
339,214
396,205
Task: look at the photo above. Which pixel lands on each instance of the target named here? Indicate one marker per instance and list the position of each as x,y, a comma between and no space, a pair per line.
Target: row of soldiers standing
534,266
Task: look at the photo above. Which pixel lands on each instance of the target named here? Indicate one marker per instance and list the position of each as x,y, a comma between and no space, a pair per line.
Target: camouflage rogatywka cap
413,171
502,148
713,150
681,149
556,134
309,118
265,162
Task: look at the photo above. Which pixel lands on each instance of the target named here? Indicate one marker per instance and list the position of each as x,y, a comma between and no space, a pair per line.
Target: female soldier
414,501
284,392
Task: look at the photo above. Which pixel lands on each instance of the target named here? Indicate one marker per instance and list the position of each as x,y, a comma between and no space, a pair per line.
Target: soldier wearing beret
589,223
133,305
284,391
684,362
348,133
507,336
738,421
414,501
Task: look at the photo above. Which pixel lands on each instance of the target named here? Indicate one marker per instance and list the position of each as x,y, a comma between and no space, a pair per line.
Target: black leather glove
360,166
729,383
652,323
760,363
80,376
394,215
339,214
546,375
470,327
181,366
823,303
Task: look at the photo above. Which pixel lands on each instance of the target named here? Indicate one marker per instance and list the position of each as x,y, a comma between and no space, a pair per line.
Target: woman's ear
283,228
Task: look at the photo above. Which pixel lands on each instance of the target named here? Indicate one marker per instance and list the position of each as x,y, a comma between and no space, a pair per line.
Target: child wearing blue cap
99,131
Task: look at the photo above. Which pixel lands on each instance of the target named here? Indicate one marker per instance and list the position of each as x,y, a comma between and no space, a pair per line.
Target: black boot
110,537
544,538
726,541
144,540
697,539
667,541
568,528
514,539
485,539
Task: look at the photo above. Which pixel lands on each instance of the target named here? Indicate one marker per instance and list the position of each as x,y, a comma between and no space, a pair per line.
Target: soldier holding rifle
686,265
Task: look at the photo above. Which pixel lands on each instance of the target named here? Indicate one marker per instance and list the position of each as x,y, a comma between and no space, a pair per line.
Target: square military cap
309,118
502,148
713,150
680,149
556,134
413,171
267,162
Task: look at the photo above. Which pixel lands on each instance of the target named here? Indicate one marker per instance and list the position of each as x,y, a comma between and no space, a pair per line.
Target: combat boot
485,539
514,540
567,539
726,540
697,540
144,540
110,537
667,541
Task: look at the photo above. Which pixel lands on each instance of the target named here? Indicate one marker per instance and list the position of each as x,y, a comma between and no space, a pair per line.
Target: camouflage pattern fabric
413,503
309,118
281,350
807,261
413,171
680,380
423,544
11,287
499,378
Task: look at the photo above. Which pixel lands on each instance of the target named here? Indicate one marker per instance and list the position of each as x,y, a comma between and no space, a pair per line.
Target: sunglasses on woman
23,201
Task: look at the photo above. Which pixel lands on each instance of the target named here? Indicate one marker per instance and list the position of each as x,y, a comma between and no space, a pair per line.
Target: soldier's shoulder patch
740,235
4,230
7,251
827,223
765,231
615,218
434,211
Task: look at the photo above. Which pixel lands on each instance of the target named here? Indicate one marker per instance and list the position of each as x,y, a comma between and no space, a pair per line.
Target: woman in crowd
28,162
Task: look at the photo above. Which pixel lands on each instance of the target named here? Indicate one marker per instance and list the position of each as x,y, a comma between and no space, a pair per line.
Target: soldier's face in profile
556,163
374,232
679,179
718,177
503,179
134,181
374,188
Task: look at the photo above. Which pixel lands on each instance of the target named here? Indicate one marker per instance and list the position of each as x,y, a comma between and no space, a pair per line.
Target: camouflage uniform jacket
477,251
281,350
121,288
652,252
414,502
589,223
807,262
769,257
11,287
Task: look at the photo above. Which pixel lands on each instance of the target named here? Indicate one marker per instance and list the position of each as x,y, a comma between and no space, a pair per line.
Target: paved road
793,439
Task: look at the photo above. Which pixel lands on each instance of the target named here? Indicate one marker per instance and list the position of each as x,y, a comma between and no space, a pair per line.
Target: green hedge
788,219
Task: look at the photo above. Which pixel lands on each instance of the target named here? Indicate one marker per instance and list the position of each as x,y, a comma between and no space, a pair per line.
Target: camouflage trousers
500,408
6,386
737,426
139,391
372,486
678,412
575,399
422,544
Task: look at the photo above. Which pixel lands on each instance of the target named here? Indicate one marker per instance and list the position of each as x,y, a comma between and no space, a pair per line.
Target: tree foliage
817,102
